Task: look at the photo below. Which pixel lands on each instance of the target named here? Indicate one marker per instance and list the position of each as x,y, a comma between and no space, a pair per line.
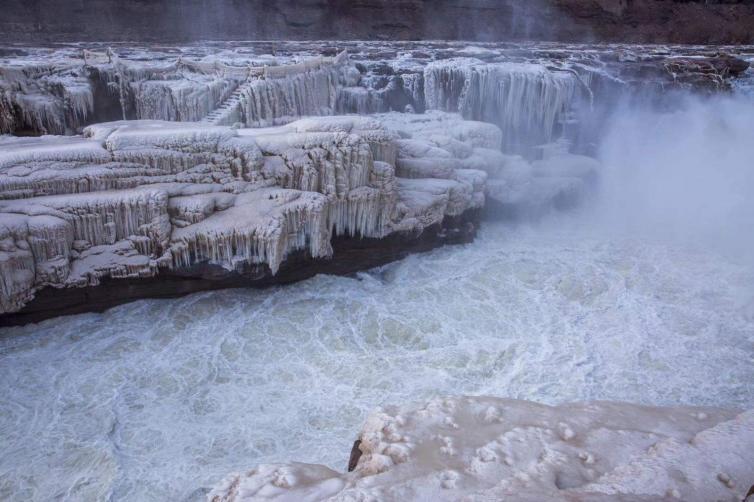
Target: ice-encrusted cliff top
60,92
260,84
484,448
130,198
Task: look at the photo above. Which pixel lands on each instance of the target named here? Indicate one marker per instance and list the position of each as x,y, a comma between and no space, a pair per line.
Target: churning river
159,399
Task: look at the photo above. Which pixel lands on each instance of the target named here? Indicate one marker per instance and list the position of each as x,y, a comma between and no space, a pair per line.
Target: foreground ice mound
484,448
131,198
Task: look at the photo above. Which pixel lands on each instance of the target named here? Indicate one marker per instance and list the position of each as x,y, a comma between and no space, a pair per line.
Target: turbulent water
157,399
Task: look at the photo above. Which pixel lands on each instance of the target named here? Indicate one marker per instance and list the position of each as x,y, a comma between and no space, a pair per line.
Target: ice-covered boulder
484,448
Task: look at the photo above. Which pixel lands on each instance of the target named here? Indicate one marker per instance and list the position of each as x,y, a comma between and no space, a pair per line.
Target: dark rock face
705,73
641,21
351,255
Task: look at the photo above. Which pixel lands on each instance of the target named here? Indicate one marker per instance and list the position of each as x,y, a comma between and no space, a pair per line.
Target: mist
683,175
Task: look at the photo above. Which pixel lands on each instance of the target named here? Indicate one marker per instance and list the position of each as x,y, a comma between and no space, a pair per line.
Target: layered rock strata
137,199
483,448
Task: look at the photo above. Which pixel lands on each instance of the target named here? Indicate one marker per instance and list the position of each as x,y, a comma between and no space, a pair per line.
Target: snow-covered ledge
137,199
486,448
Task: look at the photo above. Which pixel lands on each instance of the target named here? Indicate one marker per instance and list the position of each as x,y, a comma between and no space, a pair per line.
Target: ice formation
43,97
527,100
510,181
130,198
533,93
378,94
483,448
58,96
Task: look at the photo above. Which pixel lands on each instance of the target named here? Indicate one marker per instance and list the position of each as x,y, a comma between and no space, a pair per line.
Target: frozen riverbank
484,448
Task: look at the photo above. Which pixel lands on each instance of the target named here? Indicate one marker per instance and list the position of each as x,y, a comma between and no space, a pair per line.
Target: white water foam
159,399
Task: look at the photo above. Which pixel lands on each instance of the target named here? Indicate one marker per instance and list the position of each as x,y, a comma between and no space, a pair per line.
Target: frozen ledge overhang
134,199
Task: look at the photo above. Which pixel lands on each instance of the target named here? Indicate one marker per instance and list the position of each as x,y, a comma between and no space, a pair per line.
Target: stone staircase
222,114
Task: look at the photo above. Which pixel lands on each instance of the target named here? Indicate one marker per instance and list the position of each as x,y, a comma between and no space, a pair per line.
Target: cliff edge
638,21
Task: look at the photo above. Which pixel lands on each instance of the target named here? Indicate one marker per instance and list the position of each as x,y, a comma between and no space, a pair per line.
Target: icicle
292,220
17,265
361,100
525,100
44,98
280,100
179,100
365,212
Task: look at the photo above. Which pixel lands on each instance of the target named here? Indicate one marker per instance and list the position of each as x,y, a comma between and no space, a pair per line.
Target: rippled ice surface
157,400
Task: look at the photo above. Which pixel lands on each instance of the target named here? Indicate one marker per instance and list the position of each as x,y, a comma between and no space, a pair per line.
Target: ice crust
129,198
485,448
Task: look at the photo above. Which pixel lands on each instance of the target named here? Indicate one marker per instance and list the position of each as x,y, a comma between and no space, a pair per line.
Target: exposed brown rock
355,455
643,21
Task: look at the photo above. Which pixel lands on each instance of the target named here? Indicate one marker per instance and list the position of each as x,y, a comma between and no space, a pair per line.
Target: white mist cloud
686,174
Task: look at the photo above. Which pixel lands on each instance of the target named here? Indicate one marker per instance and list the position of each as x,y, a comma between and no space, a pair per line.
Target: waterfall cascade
526,100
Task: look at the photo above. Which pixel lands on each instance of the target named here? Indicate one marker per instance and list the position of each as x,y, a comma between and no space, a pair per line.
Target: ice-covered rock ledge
485,448
148,208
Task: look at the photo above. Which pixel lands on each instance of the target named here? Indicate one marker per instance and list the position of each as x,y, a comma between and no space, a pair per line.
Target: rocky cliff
133,199
690,21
